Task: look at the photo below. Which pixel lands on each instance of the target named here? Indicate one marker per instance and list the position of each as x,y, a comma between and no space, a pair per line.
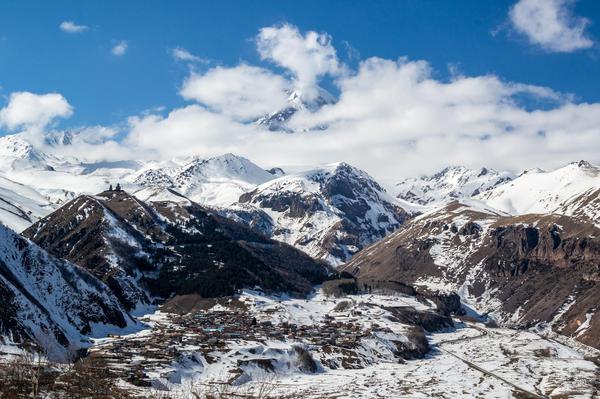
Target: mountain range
521,249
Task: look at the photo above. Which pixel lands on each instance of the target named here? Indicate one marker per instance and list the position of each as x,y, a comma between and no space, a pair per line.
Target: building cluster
207,333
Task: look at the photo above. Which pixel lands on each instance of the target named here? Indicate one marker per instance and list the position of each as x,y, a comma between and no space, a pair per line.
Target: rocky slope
449,184
51,302
527,270
330,213
157,249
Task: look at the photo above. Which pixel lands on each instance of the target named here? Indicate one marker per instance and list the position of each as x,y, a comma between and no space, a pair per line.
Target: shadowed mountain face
529,270
51,302
147,250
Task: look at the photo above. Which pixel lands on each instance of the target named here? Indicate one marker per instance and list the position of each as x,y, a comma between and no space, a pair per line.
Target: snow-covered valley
470,359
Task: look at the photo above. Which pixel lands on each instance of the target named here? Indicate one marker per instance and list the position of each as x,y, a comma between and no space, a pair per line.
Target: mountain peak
17,146
59,138
585,165
310,99
452,182
330,212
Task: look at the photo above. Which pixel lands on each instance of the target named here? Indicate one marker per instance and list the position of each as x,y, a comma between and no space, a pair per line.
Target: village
210,333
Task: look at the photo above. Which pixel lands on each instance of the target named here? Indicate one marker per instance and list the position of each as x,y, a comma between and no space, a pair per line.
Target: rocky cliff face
529,270
51,302
157,249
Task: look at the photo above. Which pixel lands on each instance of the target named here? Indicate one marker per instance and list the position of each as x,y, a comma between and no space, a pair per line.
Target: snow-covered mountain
52,302
330,213
43,181
217,181
449,184
56,178
526,251
16,152
573,190
20,206
298,100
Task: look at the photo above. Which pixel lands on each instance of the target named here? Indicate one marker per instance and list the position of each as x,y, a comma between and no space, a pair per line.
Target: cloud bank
307,57
242,92
392,117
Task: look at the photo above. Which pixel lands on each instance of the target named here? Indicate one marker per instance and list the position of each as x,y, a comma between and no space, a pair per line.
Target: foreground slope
330,213
51,302
153,250
528,270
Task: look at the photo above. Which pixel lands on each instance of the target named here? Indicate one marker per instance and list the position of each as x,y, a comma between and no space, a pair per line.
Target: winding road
474,366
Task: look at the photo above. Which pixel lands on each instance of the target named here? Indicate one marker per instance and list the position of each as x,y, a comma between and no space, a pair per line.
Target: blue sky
481,57
35,55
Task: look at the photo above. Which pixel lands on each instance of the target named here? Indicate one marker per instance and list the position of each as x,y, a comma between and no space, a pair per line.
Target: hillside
153,250
525,271
52,303
573,190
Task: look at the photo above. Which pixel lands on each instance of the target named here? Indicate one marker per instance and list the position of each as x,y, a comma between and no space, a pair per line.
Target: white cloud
89,144
120,48
243,92
551,25
308,57
72,27
394,119
192,130
33,111
181,54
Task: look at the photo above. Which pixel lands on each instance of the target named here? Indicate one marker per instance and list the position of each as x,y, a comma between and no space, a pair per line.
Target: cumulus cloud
33,111
72,27
308,57
181,54
242,92
551,25
120,48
